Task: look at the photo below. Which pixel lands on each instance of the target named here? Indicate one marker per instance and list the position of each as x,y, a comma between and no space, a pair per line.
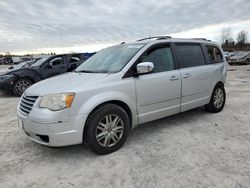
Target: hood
68,82
14,70
9,71
239,56
4,71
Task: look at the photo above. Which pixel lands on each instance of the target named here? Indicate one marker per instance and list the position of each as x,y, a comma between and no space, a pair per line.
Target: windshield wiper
88,71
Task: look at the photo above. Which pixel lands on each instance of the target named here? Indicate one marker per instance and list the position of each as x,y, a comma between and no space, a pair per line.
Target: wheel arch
119,103
213,87
220,82
17,78
210,106
27,77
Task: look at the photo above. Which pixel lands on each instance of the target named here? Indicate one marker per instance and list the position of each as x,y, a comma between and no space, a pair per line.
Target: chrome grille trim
27,103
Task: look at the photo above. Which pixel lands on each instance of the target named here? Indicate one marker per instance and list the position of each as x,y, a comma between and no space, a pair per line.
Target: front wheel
217,100
20,86
107,129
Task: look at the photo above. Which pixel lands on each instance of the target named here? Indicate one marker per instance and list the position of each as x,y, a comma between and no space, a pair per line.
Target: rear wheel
20,86
217,100
107,129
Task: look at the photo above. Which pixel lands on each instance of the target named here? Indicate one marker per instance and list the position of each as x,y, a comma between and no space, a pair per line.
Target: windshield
20,65
235,53
241,54
39,62
110,60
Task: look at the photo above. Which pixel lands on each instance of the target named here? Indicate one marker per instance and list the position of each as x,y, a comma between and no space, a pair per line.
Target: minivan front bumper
52,132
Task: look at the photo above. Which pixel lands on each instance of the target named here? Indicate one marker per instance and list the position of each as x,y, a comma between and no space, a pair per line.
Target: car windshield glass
20,65
110,60
241,54
234,53
39,62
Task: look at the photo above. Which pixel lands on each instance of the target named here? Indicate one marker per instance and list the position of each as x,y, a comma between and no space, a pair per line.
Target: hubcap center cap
110,129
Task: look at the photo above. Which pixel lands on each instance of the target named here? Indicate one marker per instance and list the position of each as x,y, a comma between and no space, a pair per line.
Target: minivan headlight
57,102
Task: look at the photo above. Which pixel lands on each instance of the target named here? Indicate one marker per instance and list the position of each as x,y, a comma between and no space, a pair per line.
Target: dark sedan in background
17,80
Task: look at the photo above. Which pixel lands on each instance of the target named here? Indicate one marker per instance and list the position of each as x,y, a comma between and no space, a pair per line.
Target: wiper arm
87,71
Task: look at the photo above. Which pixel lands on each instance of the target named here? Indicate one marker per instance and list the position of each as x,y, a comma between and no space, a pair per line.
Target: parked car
123,86
18,80
234,53
16,60
6,61
1,61
24,64
227,55
240,58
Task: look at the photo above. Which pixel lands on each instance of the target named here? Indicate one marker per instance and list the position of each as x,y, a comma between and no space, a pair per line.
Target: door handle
187,75
172,78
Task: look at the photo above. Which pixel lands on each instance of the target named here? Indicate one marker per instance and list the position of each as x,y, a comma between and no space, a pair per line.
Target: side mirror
145,67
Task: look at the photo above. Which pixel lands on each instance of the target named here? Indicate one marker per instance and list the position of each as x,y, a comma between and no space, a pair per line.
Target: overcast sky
88,25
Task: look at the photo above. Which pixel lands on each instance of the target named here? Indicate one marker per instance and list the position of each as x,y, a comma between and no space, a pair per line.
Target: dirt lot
193,149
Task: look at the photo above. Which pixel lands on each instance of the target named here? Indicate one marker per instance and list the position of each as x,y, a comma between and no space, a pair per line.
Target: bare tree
242,38
226,36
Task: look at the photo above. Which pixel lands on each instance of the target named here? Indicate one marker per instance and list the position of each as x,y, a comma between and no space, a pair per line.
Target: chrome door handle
186,75
172,78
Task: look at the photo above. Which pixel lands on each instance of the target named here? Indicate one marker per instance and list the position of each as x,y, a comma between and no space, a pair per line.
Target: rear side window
74,59
190,55
161,57
214,54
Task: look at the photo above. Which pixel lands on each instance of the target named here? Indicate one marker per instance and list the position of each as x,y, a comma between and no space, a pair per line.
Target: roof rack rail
155,37
201,39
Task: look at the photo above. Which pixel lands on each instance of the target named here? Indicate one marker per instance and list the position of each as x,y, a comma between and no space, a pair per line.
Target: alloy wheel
218,98
109,130
21,86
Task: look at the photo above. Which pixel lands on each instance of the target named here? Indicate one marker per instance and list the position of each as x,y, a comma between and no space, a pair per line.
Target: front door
54,67
158,93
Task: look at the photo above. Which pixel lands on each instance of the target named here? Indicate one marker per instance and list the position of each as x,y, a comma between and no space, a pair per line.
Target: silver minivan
121,87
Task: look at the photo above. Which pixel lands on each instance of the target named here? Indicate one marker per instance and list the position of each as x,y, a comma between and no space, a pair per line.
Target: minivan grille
27,103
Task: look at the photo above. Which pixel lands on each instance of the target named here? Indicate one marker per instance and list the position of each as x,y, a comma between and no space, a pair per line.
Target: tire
218,99
107,129
21,85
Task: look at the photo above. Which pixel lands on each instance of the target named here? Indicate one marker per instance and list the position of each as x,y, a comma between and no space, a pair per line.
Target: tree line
229,44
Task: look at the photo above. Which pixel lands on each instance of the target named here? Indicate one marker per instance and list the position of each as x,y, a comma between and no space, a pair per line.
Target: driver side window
161,57
56,61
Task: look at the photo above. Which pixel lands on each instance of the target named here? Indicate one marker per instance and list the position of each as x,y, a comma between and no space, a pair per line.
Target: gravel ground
192,149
